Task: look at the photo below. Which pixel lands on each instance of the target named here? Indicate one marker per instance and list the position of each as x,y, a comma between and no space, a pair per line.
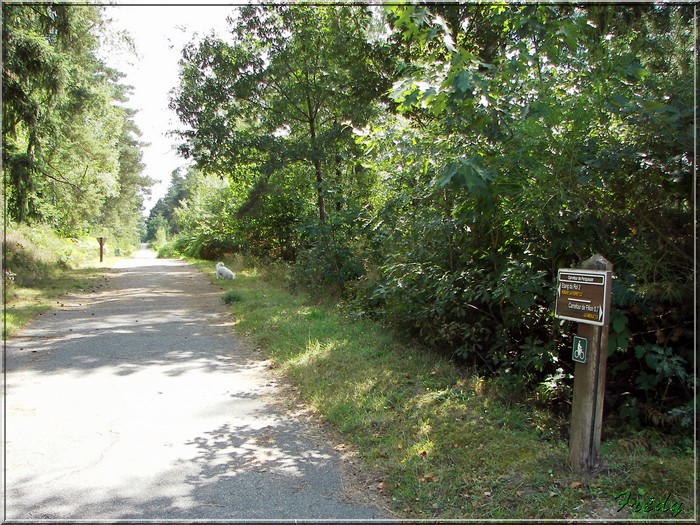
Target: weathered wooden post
102,241
584,295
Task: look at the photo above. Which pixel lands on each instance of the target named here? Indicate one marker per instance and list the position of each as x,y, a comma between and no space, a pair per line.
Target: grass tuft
232,296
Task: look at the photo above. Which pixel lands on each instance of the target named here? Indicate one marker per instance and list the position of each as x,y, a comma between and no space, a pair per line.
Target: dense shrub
201,246
331,256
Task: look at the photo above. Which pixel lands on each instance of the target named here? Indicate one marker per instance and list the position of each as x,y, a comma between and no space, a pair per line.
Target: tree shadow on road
277,470
156,341
158,315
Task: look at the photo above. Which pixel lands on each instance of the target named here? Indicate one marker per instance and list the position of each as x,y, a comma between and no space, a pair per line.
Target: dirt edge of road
361,484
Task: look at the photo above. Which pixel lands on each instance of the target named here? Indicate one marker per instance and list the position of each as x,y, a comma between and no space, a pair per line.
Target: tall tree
63,132
163,212
121,212
288,89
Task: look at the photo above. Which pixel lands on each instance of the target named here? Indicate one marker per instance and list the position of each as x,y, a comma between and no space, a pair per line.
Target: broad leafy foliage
283,95
557,133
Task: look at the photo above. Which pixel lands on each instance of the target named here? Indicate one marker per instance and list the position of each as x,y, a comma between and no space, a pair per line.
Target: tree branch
59,179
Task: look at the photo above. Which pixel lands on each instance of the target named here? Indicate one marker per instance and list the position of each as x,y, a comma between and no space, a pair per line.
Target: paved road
135,400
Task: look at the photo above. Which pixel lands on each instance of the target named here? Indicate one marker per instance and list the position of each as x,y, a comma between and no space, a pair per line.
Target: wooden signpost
583,295
102,241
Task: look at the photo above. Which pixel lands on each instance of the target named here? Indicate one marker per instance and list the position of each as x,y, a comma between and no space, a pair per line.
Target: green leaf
463,82
411,99
466,173
570,33
619,323
635,70
653,105
653,359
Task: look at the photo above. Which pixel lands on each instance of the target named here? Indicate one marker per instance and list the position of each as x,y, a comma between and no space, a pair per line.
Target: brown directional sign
581,296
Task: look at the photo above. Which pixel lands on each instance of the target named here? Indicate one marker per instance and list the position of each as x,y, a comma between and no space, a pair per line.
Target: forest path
135,400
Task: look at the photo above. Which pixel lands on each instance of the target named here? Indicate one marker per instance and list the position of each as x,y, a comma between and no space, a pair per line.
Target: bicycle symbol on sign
580,349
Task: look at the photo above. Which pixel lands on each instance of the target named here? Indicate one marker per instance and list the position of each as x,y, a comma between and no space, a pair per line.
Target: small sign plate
581,296
580,349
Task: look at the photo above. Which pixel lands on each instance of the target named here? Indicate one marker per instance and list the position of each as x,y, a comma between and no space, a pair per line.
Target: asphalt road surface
135,400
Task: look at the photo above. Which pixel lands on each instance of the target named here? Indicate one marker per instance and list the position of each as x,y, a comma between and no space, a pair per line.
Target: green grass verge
24,303
445,443
44,267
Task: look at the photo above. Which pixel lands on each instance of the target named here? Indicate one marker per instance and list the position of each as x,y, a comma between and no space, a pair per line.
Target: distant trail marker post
102,241
583,295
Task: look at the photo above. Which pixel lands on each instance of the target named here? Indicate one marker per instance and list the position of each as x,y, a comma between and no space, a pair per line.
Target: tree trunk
319,173
319,189
338,183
